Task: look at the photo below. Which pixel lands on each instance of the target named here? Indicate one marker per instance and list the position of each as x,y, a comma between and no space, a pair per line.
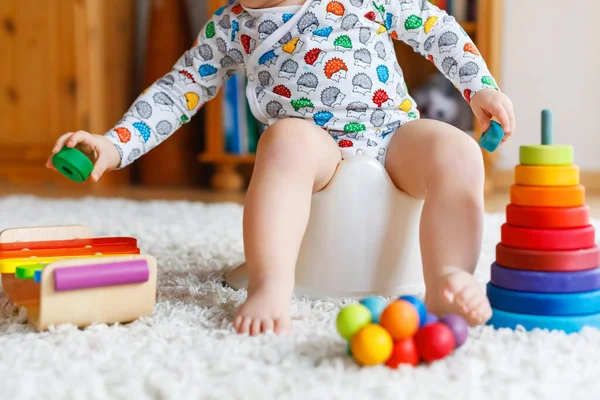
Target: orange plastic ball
401,319
404,352
372,345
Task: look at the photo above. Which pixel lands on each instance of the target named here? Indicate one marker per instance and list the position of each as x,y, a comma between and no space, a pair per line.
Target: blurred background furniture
65,65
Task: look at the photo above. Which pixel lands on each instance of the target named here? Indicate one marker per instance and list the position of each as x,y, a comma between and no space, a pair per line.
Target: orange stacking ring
542,196
547,260
547,175
548,239
548,217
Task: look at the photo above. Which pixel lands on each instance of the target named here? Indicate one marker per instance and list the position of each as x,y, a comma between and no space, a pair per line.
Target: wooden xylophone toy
546,273
62,274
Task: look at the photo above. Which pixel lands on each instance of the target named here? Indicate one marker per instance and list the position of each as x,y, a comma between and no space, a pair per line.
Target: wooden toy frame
124,302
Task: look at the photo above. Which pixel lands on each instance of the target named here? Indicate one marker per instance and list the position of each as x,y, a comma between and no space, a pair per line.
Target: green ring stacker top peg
546,153
73,164
491,139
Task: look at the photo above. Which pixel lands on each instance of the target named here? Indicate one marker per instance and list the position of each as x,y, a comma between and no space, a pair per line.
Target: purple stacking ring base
545,282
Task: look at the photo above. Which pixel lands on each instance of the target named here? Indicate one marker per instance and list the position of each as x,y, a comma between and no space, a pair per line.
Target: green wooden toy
73,164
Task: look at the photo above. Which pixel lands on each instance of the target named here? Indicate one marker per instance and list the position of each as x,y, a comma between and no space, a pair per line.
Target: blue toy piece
431,318
376,305
545,282
544,303
568,324
491,139
419,305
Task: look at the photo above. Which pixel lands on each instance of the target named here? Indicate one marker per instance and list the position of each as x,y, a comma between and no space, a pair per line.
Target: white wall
551,59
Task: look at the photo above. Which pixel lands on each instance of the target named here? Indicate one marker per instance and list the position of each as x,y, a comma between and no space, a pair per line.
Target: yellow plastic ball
372,345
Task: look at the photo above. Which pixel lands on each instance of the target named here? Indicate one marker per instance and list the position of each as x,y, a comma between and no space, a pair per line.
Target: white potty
362,238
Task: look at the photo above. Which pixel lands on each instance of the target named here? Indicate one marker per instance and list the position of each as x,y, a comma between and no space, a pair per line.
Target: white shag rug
187,349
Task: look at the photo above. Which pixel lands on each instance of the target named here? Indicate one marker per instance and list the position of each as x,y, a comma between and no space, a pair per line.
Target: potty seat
362,238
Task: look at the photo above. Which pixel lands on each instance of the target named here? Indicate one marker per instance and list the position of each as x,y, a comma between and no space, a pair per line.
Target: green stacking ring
551,154
27,271
73,164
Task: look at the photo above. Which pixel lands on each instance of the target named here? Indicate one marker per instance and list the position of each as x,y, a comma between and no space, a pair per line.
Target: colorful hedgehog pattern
331,62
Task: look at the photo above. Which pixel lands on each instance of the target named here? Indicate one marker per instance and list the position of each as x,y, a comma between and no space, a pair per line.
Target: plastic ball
351,319
458,326
376,305
400,319
371,345
435,341
404,352
419,305
430,319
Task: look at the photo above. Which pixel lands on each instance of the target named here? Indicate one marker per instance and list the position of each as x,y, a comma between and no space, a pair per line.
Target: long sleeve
437,36
176,98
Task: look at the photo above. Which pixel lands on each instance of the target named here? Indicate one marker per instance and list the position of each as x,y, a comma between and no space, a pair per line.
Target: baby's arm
437,36
176,97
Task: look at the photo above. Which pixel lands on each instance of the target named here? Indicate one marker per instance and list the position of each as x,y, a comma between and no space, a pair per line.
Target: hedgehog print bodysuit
330,62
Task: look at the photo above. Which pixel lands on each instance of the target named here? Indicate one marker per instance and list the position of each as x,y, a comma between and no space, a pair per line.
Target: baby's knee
287,141
458,157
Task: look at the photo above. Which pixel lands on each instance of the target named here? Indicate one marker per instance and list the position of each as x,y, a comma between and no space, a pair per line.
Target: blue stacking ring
491,139
545,282
544,303
568,324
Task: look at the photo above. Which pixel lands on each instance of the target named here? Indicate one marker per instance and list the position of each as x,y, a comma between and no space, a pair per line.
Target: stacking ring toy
548,239
541,196
73,164
546,153
547,217
545,282
553,175
567,324
551,154
544,303
491,139
545,260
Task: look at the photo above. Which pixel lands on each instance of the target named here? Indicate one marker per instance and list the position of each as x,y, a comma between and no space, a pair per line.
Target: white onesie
330,62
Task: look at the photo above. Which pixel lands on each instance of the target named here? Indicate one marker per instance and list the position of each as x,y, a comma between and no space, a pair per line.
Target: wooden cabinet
65,65
486,33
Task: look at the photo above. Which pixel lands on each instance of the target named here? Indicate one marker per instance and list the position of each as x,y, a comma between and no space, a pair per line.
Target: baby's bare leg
434,161
294,159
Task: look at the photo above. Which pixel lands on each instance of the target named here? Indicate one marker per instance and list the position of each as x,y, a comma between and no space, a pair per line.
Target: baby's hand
99,149
489,103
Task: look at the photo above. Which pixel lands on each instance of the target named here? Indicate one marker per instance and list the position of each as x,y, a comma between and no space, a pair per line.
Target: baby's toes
255,327
268,325
245,325
283,326
237,322
481,311
468,298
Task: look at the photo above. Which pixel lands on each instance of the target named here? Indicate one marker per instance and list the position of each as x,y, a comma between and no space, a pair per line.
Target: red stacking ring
548,239
548,217
544,260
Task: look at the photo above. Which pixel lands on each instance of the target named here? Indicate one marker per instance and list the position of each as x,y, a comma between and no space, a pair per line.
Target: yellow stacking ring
547,175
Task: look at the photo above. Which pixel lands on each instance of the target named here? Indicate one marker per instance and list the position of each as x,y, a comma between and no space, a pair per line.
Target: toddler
323,76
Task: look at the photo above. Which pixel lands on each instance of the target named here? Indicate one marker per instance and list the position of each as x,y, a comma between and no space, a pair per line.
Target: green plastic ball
351,319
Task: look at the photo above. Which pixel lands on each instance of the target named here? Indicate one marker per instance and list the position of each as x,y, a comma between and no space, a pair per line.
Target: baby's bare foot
266,309
461,294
